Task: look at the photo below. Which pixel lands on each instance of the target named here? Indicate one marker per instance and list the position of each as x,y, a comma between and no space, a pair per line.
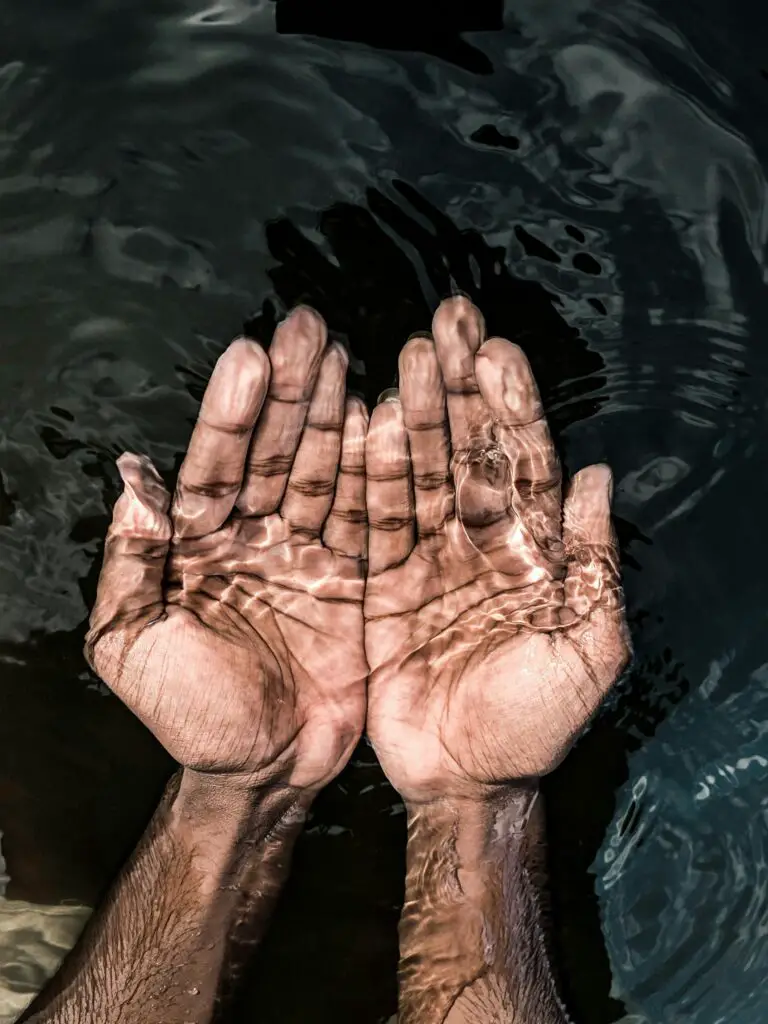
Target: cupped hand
230,620
494,621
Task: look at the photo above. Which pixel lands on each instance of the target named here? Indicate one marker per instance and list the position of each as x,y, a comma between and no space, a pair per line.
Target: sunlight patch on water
33,941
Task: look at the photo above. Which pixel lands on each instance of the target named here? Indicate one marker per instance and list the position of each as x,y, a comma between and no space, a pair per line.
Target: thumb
130,590
593,582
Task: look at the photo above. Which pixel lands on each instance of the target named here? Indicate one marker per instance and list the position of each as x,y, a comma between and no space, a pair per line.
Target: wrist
482,833
471,941
499,815
221,822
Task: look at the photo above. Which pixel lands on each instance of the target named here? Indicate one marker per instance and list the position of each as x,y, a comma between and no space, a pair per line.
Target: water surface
594,176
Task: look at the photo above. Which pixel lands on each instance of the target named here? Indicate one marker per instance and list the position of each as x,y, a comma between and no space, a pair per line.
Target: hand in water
494,620
230,622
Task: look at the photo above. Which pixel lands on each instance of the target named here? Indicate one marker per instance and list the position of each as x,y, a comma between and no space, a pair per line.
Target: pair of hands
317,573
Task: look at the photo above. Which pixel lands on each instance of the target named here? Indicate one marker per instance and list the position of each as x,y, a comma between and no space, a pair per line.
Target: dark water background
593,176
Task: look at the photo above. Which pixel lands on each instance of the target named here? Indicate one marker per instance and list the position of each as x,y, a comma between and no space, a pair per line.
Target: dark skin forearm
472,940
194,897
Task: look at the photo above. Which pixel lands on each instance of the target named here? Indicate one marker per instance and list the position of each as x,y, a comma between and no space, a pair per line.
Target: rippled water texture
594,177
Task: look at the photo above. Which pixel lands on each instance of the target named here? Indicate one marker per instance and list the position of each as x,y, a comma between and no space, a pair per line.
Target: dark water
593,176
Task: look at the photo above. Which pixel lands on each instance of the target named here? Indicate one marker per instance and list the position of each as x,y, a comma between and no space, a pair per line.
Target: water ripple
170,170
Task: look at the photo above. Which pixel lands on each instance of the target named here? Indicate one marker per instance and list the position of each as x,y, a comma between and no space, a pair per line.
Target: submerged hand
494,619
231,623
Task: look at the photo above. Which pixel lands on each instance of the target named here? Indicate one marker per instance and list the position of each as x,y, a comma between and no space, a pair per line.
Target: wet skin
493,611
494,627
314,574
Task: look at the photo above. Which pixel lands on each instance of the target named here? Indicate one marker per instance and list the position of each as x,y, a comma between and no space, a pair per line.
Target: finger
212,472
593,581
130,589
458,330
391,525
312,480
520,426
295,355
423,399
478,477
346,528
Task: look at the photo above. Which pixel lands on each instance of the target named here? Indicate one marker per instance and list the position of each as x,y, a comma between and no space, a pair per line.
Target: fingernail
389,395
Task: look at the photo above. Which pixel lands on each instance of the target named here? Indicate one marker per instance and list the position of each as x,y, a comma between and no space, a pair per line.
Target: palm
287,617
250,660
469,663
491,642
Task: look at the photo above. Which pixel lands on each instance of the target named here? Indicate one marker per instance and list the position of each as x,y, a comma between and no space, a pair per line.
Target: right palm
492,637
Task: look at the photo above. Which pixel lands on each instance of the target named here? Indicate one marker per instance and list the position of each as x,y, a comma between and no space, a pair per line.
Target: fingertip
141,511
386,439
595,481
329,391
459,314
246,350
418,364
338,354
495,348
388,395
505,377
455,306
128,462
604,473
389,409
587,509
357,408
305,319
243,359
138,470
297,352
414,350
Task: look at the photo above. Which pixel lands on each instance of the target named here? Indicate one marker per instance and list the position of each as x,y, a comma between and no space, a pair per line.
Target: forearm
195,895
472,940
